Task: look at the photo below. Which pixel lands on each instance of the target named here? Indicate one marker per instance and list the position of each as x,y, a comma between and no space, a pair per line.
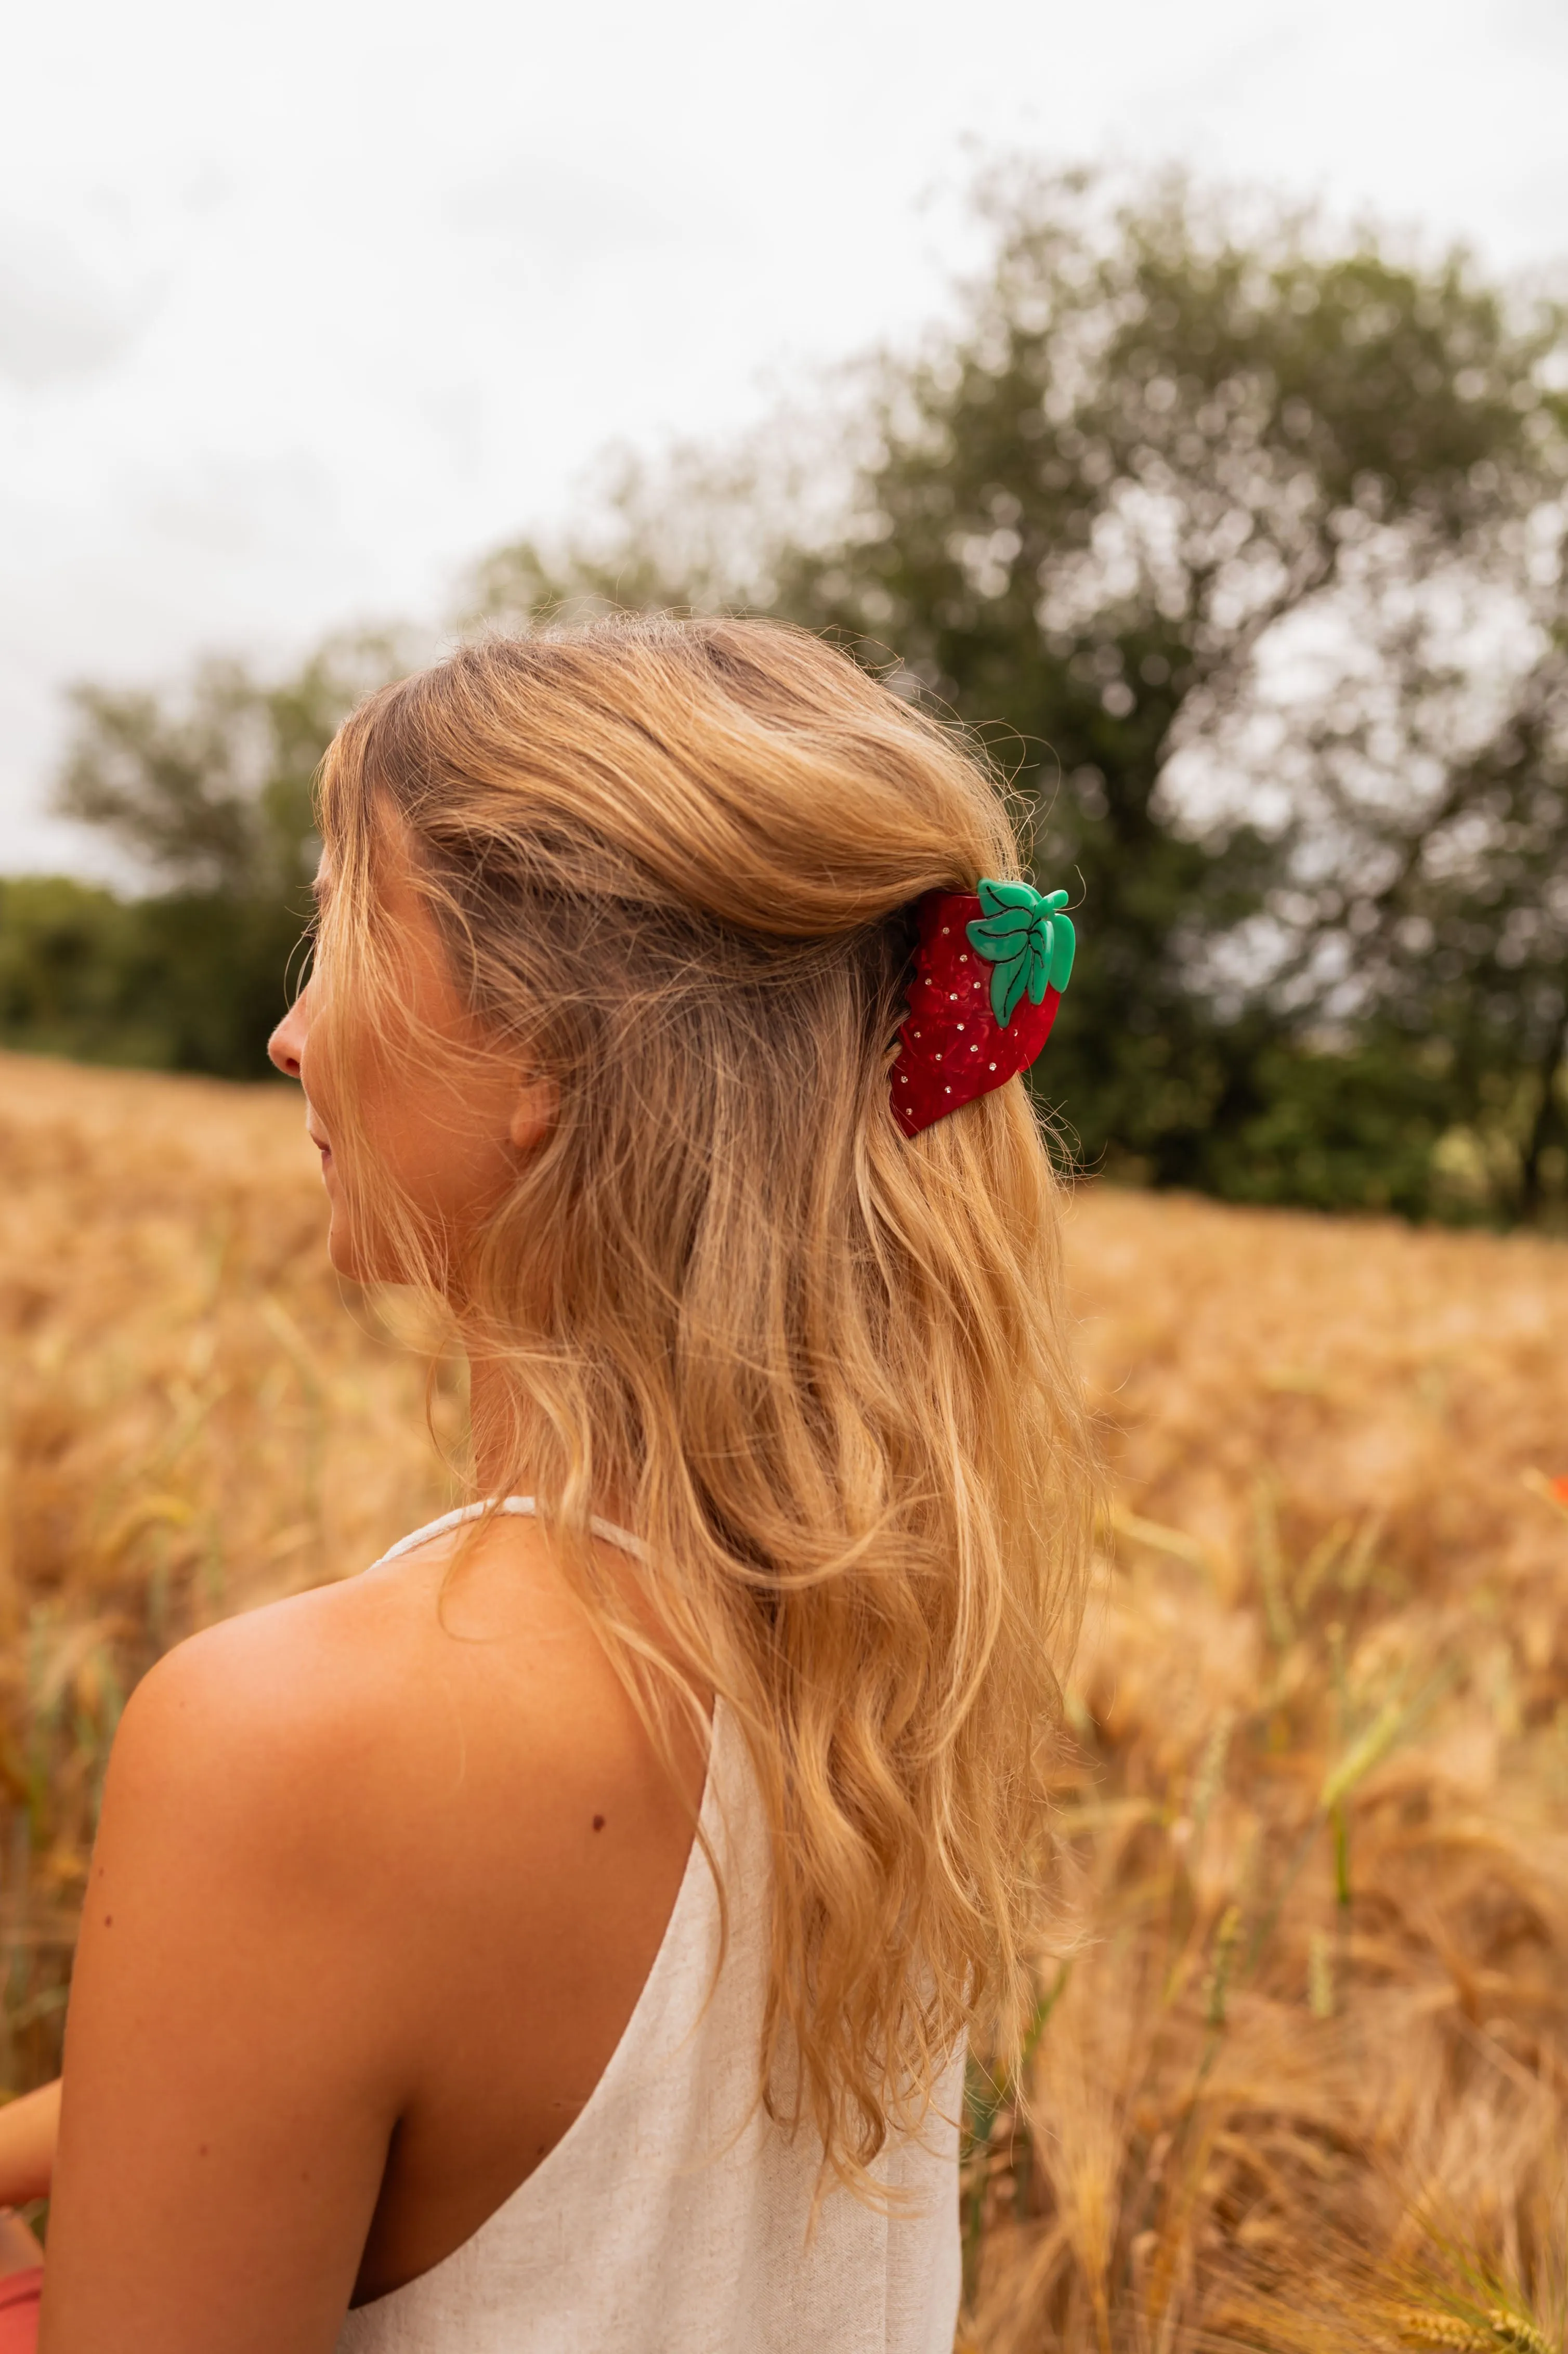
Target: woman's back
675,2214
398,1856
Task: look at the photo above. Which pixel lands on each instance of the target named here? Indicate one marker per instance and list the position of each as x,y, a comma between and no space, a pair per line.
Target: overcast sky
302,307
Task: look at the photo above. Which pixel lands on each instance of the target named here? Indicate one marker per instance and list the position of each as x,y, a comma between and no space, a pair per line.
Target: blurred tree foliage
1243,550
209,795
1240,545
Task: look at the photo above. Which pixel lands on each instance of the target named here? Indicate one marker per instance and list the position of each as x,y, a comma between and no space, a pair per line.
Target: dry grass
189,1421
1301,2079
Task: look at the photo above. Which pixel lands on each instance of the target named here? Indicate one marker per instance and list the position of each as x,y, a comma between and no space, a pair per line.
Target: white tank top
675,2216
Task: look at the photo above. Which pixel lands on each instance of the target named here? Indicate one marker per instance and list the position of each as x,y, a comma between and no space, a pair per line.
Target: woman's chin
344,1250
354,1261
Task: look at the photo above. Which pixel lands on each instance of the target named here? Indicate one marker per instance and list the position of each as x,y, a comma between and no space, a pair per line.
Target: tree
209,792
1168,440
71,977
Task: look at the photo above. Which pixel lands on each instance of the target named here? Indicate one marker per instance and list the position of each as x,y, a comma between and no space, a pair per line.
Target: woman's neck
501,1464
493,1427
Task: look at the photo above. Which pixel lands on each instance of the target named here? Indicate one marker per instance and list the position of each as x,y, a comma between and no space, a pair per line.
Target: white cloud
306,306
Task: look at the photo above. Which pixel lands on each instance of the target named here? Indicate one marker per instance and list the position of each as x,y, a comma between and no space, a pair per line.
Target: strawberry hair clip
989,969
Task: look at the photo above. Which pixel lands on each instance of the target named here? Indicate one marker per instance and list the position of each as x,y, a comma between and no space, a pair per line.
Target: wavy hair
822,1368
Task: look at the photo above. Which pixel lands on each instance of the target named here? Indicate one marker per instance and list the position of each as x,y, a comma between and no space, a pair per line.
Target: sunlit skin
449,1123
376,1887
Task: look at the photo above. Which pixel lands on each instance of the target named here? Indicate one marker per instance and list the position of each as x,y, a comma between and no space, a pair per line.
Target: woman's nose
286,1046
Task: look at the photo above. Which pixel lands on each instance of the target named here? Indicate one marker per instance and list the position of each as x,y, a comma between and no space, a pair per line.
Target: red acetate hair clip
989,969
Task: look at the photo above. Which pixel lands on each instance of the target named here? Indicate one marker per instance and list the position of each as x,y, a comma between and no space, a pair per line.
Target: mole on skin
598,1822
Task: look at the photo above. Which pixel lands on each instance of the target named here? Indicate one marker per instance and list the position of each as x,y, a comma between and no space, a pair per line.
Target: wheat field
1299,2074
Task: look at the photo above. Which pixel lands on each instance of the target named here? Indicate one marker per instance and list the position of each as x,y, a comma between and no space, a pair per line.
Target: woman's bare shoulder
382,1866
328,1713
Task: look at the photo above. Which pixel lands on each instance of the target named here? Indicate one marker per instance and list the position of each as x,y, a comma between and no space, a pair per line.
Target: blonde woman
564,1934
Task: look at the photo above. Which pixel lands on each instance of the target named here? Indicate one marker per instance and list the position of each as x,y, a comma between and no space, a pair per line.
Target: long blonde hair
822,1368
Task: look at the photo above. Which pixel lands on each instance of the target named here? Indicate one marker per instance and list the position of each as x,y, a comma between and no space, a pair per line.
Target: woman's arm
230,2093
28,2129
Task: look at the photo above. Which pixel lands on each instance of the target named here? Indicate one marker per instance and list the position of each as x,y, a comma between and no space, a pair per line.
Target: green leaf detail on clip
1024,934
1064,942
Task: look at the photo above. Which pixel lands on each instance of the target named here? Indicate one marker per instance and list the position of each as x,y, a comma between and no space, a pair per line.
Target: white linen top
675,2216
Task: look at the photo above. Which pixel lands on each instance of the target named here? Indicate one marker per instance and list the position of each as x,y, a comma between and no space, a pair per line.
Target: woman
564,1934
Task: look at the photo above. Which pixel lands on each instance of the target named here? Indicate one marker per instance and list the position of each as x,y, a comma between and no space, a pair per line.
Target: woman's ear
532,1114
